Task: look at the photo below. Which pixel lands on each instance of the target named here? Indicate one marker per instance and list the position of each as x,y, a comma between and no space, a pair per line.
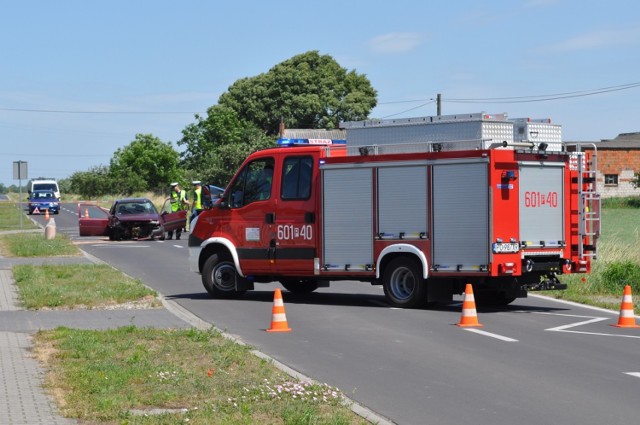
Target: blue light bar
292,142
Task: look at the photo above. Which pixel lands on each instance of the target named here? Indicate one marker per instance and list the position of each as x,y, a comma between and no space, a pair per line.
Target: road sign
20,170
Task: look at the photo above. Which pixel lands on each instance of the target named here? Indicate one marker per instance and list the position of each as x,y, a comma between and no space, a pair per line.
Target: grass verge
618,264
200,377
35,245
79,286
10,214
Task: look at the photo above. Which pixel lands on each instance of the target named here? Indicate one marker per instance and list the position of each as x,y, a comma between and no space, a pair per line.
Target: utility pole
439,104
20,171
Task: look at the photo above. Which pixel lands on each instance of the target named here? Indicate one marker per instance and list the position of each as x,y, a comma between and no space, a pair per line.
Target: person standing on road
196,207
179,201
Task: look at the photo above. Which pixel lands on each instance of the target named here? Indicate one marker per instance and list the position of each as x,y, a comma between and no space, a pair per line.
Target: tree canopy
147,163
307,91
217,144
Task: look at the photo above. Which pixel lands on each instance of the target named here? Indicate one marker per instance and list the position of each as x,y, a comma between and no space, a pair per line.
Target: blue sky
79,79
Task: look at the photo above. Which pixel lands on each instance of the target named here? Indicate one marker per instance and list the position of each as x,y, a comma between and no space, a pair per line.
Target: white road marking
565,328
118,246
496,336
636,374
178,246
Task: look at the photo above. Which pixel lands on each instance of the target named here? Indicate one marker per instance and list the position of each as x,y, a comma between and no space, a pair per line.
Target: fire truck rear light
582,266
507,268
509,175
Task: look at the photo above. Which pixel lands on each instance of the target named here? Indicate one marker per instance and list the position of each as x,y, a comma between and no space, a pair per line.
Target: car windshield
45,186
137,207
43,195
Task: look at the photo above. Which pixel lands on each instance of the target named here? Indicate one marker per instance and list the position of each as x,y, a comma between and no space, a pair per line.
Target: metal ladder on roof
589,202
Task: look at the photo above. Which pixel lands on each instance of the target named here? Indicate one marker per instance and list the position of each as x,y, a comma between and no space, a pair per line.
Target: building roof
622,141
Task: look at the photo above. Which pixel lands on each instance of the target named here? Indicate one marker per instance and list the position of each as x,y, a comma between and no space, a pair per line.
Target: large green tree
217,144
307,91
147,163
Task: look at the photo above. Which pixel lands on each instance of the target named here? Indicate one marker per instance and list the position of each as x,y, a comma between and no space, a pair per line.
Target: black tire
299,286
403,283
219,278
115,235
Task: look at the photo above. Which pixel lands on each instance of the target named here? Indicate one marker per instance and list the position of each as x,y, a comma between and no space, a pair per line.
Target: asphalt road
539,361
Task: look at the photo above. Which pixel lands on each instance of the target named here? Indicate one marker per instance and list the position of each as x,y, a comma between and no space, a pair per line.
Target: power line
61,111
544,98
520,99
417,107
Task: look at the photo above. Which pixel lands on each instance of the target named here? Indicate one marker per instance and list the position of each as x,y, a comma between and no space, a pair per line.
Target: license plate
506,247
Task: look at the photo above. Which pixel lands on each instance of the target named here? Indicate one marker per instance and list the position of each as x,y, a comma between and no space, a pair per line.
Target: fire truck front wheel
403,283
219,277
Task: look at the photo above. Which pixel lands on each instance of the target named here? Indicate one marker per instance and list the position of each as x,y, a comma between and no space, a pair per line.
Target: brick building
618,161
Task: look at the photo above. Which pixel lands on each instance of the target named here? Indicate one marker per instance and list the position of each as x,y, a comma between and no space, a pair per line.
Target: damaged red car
129,218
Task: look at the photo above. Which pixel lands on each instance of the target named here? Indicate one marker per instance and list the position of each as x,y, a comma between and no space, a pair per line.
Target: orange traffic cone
626,319
46,214
278,316
469,316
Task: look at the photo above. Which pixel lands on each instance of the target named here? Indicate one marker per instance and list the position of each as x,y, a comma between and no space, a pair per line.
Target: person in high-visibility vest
196,207
179,201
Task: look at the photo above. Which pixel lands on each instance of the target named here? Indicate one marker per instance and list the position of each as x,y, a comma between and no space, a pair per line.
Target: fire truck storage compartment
347,207
451,132
460,216
541,204
402,202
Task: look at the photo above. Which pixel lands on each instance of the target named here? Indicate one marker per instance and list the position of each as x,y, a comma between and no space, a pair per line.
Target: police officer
196,207
179,202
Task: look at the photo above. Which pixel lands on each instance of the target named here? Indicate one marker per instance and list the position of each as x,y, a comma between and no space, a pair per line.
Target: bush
618,274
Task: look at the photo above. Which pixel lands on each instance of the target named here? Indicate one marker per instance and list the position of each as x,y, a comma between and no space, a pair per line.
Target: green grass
101,376
10,214
35,245
618,263
73,286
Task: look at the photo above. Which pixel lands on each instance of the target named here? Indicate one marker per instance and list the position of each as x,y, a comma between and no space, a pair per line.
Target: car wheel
403,283
219,277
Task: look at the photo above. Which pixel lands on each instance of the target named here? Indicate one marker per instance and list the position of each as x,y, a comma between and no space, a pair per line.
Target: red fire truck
423,222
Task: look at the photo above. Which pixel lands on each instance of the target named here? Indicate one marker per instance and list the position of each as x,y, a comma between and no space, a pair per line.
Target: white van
44,185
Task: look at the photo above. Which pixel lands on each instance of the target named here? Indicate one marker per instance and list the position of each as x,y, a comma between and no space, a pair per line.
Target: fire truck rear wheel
403,283
219,277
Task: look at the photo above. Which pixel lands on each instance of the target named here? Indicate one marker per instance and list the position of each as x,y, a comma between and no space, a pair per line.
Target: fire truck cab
423,222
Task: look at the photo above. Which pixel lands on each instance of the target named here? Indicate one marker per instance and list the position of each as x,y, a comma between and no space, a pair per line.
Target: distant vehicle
129,218
45,185
43,200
